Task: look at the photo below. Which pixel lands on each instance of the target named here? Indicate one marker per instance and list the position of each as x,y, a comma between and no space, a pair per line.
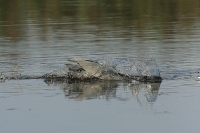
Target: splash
143,68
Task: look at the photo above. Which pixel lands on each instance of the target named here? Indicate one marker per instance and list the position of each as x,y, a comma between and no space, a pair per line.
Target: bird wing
92,68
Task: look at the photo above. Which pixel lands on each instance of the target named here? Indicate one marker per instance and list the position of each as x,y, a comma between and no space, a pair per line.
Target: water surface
40,36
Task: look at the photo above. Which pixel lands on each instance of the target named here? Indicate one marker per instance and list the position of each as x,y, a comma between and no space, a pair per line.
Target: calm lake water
40,36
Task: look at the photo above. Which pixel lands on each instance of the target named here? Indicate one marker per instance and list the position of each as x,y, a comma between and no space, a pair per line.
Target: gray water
39,37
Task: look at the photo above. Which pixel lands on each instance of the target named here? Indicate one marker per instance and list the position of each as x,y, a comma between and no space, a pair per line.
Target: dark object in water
152,79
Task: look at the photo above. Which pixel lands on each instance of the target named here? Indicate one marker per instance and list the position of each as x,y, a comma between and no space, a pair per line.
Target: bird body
91,69
88,69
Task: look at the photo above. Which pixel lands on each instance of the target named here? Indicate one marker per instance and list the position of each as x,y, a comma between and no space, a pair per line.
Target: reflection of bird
88,69
150,90
79,90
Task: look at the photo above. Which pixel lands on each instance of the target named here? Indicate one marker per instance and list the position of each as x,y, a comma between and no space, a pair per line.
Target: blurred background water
47,33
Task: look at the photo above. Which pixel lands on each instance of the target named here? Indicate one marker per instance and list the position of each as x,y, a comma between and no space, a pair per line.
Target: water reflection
79,90
155,19
148,90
